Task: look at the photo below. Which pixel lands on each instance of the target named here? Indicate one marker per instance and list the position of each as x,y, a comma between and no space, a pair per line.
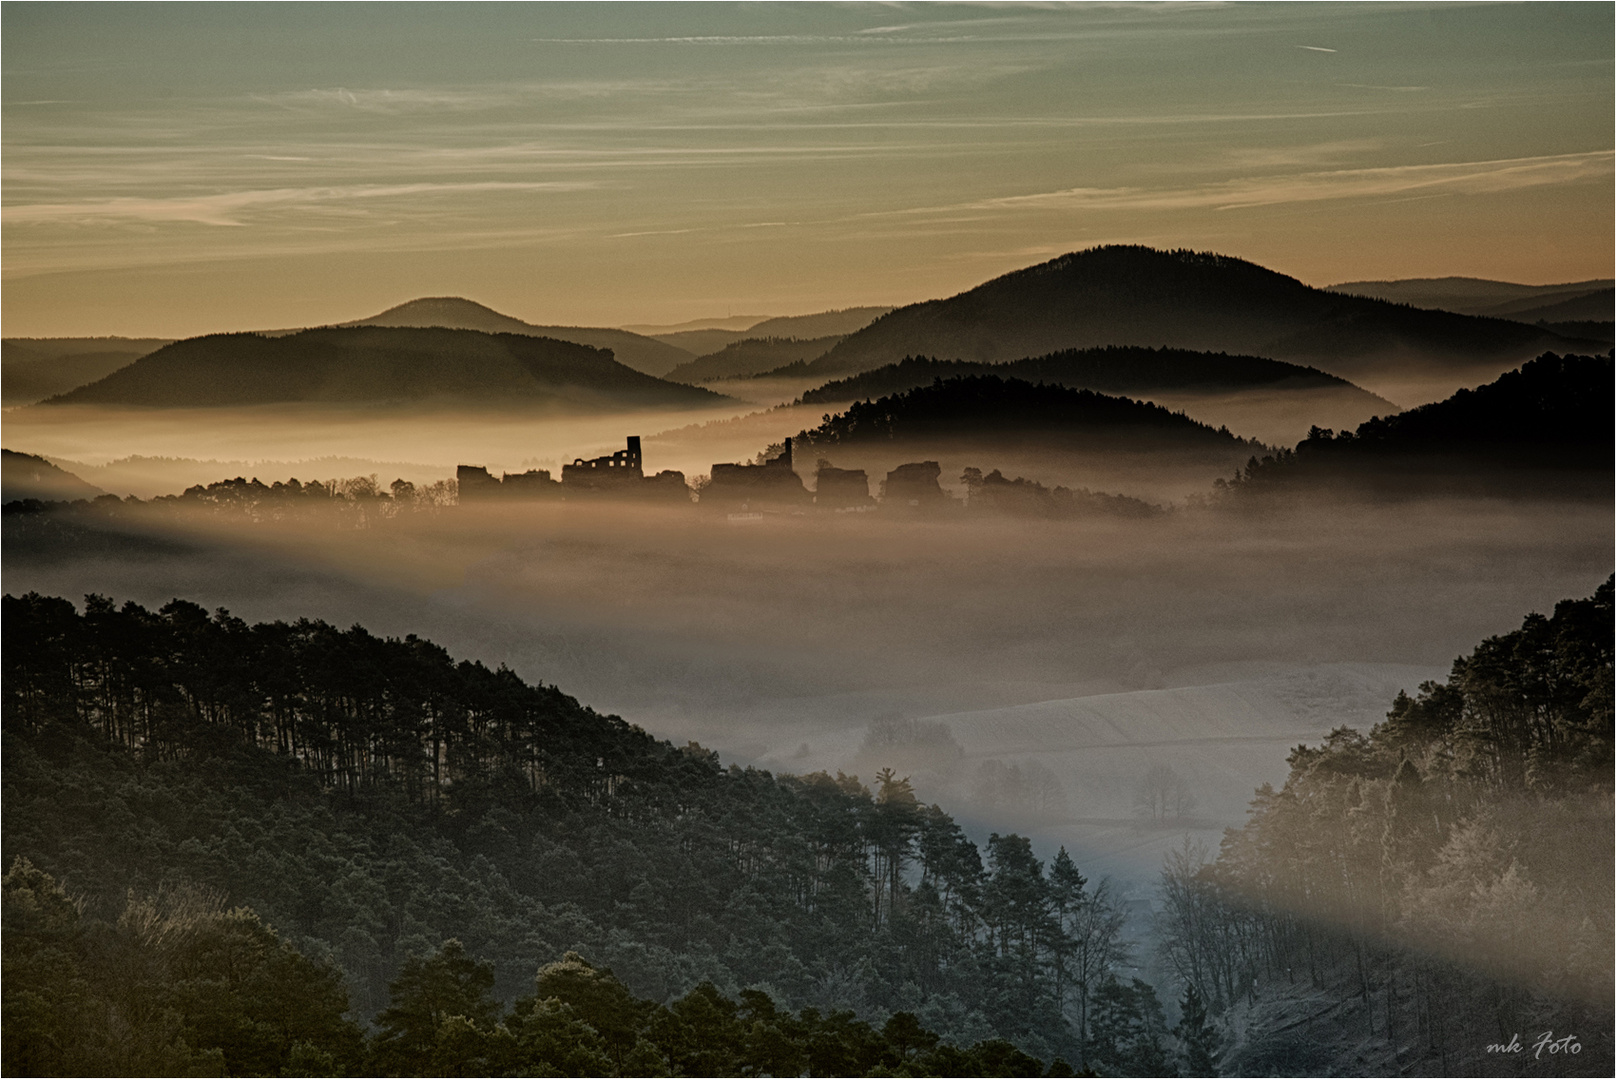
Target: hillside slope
1126,295
977,408
26,476
751,356
1110,370
839,323
636,351
1545,424
1473,296
368,365
36,368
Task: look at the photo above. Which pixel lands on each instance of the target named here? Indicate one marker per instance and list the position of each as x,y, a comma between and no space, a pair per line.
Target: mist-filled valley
1033,629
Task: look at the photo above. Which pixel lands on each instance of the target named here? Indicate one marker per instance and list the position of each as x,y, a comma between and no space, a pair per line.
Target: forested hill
1417,892
372,798
28,476
1552,415
366,365
986,408
1111,370
1126,295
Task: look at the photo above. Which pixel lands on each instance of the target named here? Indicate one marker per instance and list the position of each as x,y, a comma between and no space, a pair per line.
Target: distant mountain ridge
1132,295
1114,369
840,322
373,365
34,369
1478,296
751,356
710,337
644,354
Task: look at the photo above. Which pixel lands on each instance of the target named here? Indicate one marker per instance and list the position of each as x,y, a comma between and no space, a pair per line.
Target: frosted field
1224,738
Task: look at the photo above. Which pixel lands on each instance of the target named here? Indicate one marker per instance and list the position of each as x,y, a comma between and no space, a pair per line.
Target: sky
178,169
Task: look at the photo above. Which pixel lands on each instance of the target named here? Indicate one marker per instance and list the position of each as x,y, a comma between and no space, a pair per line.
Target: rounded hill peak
453,312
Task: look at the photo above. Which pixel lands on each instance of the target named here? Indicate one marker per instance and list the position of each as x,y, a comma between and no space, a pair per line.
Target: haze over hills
843,321
1578,309
456,313
33,369
373,365
751,356
731,323
1007,411
1550,416
706,336
1112,370
145,477
1269,400
27,476
1479,296
1130,295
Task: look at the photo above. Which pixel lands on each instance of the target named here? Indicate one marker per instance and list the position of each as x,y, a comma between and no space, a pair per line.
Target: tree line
1448,874
182,985
372,797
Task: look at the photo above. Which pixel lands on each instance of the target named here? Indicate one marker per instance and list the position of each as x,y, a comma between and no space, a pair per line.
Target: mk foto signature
1547,1044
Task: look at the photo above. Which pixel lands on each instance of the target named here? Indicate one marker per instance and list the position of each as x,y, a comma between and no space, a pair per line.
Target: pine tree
1198,1039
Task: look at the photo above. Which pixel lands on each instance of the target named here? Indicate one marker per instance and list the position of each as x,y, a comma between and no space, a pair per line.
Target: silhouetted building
533,484
476,484
667,484
841,489
914,485
773,482
614,472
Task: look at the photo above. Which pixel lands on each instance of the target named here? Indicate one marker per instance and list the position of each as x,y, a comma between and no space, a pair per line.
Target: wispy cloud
1316,48
1468,178
234,208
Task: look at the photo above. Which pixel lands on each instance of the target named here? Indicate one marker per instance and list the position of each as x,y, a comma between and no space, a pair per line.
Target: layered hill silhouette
35,368
1499,299
1129,295
373,365
1112,370
1549,410
709,337
1552,414
751,356
27,476
988,409
641,353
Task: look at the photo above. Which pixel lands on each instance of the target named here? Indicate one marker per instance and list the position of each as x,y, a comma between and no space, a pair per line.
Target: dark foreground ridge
1545,425
372,798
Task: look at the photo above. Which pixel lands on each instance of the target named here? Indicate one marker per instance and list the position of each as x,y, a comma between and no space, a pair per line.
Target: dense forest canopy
1551,415
372,798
